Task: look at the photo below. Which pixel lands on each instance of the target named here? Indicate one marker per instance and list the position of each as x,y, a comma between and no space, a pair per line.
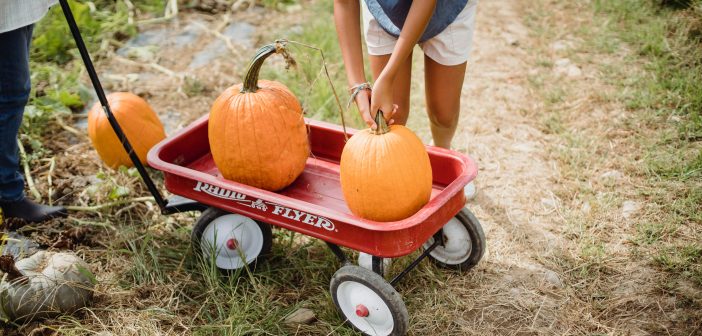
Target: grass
670,43
646,57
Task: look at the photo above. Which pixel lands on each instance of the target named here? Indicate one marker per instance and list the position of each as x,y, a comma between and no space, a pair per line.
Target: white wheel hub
234,240
365,309
457,244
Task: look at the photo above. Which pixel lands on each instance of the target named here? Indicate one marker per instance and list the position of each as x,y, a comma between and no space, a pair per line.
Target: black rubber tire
211,214
477,241
382,288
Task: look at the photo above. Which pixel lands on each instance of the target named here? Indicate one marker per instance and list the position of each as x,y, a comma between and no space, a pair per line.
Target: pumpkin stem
382,124
251,77
7,266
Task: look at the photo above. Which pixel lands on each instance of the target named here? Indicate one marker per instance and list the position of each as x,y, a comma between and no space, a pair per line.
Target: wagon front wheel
368,302
463,243
230,241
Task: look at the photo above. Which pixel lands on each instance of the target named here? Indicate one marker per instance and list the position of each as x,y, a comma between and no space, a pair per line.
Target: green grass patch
685,260
670,39
667,99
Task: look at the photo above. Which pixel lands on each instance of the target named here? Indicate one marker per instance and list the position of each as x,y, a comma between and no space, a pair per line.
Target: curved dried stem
7,266
331,83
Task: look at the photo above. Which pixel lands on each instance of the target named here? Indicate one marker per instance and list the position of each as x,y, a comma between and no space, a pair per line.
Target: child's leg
443,84
401,87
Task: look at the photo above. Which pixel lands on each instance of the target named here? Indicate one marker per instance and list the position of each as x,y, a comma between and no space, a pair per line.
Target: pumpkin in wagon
257,132
138,121
385,173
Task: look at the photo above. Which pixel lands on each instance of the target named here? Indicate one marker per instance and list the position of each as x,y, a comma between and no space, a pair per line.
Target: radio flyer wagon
234,229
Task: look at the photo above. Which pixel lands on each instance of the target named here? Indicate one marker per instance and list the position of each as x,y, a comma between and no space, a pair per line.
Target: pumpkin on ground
138,122
44,285
257,132
385,173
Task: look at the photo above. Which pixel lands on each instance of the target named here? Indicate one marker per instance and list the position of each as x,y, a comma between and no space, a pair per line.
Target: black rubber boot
31,212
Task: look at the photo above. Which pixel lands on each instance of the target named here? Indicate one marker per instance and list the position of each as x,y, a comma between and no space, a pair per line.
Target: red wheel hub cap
361,310
232,244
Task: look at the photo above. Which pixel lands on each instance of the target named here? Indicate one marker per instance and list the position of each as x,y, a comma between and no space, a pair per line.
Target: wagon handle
106,107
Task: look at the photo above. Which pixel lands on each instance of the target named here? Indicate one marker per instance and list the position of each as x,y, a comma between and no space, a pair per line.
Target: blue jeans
14,93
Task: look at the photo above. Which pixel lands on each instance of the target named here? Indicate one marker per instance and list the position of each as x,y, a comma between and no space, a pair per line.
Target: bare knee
443,116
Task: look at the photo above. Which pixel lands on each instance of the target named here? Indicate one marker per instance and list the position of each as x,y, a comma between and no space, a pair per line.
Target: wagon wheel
368,302
233,240
463,245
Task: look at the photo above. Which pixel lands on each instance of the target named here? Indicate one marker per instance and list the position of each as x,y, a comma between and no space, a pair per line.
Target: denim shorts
450,47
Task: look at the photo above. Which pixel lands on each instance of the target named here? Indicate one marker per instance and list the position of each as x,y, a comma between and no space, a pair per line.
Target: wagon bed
314,203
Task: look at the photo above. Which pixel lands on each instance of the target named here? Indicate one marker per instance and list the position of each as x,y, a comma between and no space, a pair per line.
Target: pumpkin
257,132
138,122
44,285
385,173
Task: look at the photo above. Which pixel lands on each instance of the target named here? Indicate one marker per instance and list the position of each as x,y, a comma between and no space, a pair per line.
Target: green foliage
56,92
55,64
53,40
148,6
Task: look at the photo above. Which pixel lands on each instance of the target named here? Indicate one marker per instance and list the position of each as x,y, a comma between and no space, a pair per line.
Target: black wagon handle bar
106,107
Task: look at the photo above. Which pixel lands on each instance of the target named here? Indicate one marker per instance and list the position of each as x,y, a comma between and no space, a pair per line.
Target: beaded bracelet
354,90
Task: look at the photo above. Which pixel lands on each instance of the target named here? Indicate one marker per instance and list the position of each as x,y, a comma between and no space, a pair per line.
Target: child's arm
347,15
417,19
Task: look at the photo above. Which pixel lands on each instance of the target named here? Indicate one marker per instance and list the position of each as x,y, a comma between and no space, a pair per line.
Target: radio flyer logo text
277,209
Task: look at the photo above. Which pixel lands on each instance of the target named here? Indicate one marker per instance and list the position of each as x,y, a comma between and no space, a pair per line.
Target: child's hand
363,103
381,99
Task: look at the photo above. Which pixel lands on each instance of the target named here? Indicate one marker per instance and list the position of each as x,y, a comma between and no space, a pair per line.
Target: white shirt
19,13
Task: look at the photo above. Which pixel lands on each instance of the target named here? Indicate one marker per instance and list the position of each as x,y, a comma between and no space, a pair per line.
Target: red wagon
234,229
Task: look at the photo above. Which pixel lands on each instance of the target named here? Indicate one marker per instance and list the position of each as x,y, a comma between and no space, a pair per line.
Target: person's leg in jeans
14,92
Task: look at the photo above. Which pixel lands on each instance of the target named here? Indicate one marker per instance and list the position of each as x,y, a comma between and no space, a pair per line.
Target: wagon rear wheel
230,241
368,302
463,245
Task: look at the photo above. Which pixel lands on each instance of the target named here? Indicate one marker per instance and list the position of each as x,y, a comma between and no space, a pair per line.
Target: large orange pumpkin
257,132
385,173
138,122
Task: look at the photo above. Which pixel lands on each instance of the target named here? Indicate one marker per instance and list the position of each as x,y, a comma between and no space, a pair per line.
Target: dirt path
526,283
512,292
